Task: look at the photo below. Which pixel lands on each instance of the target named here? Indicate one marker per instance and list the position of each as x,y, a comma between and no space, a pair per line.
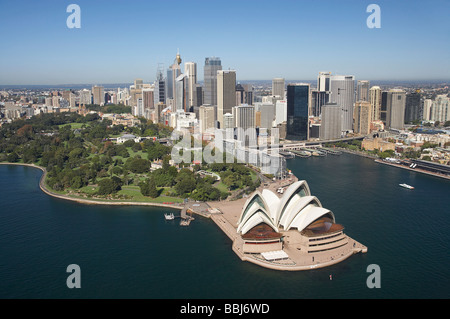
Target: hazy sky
122,40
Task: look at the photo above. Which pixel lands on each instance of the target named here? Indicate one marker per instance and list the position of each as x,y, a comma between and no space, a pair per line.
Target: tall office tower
427,103
228,120
199,90
99,95
362,90
331,122
278,85
323,81
342,88
413,107
190,69
240,94
160,87
248,93
206,118
280,112
318,98
226,93
384,95
180,93
244,118
375,103
395,113
440,109
212,65
298,104
362,117
267,115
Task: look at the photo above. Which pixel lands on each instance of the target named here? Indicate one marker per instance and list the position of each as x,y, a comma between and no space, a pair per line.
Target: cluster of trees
85,156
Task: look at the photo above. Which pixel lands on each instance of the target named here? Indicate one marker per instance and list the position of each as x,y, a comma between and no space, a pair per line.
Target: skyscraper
160,87
375,103
190,68
206,118
244,117
342,88
226,93
395,113
212,65
99,95
362,117
323,81
413,107
362,90
298,102
278,87
330,127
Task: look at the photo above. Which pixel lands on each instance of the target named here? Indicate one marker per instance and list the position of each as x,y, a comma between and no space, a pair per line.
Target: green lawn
74,125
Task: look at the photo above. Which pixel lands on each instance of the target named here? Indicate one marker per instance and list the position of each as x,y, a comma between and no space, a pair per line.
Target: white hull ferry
406,186
170,216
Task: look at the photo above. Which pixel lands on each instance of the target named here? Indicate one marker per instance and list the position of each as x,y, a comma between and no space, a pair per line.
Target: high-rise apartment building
226,93
362,90
375,103
440,109
362,114
342,92
298,105
395,112
98,94
212,65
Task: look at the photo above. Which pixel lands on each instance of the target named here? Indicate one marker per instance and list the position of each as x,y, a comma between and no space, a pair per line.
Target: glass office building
298,100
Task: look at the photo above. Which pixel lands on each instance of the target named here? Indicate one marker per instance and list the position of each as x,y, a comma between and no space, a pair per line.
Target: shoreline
380,161
224,221
87,201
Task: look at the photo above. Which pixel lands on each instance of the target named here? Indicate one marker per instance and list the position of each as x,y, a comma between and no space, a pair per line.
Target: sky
119,40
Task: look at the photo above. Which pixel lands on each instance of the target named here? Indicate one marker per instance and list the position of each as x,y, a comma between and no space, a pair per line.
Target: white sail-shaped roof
308,215
300,187
294,206
295,209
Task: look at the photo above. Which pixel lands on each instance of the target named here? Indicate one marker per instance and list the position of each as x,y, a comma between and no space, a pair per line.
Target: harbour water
133,252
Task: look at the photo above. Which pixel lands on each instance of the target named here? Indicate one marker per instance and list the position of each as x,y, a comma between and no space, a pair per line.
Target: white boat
406,186
170,216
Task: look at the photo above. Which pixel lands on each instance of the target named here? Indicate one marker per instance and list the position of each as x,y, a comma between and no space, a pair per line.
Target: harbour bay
132,252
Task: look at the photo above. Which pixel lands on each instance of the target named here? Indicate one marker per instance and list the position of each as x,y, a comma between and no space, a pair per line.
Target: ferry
170,216
406,186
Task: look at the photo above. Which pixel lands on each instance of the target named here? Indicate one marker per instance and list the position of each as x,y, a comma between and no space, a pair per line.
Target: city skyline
120,42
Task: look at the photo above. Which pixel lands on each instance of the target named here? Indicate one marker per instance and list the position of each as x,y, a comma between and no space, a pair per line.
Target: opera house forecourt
291,231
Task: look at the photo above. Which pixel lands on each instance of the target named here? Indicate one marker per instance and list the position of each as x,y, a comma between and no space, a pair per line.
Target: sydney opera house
293,227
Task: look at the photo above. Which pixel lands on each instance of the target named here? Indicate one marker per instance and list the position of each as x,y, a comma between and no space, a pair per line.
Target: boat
170,216
406,186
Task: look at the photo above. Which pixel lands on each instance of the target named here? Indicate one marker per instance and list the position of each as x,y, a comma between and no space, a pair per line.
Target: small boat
170,216
406,186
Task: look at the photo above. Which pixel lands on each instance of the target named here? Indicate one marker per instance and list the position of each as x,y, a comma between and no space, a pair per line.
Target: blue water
132,252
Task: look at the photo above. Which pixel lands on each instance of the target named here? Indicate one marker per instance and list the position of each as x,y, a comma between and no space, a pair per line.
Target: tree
109,185
148,188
